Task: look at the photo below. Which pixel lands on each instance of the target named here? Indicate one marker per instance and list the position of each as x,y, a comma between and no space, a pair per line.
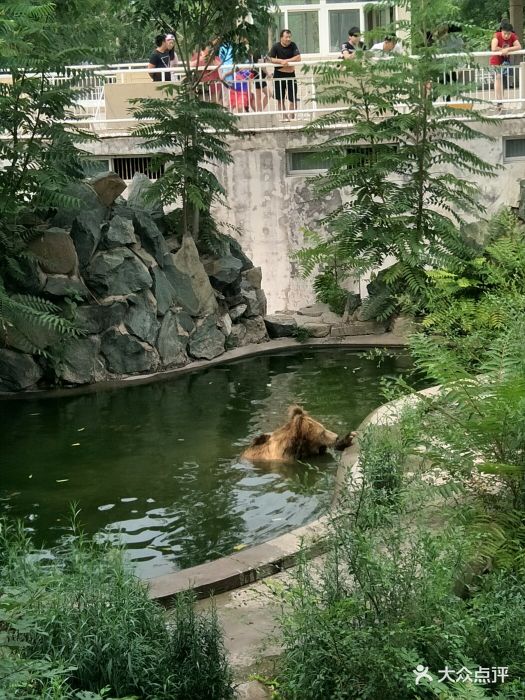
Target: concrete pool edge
386,340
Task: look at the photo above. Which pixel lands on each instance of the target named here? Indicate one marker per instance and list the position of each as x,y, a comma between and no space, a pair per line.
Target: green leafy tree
484,13
399,157
109,30
40,155
187,130
470,307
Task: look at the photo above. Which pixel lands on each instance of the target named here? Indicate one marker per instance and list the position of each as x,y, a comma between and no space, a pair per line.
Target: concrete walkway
249,617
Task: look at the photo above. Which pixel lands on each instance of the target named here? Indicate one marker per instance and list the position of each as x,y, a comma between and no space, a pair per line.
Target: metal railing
263,102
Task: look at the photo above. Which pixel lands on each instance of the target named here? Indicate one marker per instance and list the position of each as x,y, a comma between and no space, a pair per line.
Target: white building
319,27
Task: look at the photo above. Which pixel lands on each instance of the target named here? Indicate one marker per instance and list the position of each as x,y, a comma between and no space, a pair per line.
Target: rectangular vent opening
128,166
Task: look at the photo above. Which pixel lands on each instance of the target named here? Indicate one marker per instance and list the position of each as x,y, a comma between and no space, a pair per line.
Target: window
304,26
514,149
340,22
127,167
314,162
307,162
95,166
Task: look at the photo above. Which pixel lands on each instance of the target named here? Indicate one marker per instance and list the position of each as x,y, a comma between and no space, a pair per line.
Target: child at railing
240,91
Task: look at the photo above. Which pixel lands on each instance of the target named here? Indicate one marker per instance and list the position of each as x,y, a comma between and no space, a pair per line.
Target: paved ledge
272,346
243,567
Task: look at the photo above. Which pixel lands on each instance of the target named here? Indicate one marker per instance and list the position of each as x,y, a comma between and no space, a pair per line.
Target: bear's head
307,435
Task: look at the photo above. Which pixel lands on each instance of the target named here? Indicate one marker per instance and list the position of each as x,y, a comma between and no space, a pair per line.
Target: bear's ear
261,439
295,410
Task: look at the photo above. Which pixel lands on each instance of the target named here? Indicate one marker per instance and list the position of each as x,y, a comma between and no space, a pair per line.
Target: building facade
319,27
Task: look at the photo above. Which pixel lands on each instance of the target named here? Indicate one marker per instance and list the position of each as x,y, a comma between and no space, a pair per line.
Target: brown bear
301,437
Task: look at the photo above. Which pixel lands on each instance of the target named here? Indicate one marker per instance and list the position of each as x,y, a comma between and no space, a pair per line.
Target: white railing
253,93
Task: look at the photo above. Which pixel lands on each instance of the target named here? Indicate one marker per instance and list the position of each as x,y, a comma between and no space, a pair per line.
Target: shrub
85,620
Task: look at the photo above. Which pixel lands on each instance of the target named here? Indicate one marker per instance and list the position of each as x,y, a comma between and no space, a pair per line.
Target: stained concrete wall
271,207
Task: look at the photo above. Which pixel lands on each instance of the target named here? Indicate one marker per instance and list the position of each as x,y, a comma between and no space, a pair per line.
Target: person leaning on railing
160,58
504,42
283,53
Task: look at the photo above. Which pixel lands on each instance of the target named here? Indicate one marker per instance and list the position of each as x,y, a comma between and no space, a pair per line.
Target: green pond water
156,467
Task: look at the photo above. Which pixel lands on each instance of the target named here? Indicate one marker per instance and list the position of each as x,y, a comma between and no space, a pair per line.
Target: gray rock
150,236
164,292
223,271
146,258
97,318
55,251
331,318
64,286
34,279
254,305
86,234
353,302
118,232
252,690
280,326
108,187
358,328
253,277
173,243
316,330
141,319
238,252
27,336
207,341
188,278
315,310
404,326
117,272
86,200
261,298
81,362
255,330
225,324
185,321
17,371
378,285
237,311
140,195
126,354
172,342
236,337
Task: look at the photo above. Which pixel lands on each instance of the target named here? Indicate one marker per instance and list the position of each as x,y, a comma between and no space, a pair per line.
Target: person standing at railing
503,43
160,58
284,54
354,44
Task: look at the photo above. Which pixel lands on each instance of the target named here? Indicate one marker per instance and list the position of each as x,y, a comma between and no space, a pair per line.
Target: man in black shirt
160,58
349,48
284,54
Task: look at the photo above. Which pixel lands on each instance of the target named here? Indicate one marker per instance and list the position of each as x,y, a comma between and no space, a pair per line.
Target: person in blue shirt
226,63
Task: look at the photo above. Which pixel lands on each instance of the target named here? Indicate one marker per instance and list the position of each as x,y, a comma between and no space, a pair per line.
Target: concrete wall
271,207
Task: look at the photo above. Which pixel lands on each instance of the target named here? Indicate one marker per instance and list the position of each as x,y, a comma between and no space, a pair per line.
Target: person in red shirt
503,43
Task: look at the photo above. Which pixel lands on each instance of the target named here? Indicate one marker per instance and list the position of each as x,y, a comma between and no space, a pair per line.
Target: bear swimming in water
302,436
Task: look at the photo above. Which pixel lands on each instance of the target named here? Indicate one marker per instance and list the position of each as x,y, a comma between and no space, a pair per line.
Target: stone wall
270,207
144,297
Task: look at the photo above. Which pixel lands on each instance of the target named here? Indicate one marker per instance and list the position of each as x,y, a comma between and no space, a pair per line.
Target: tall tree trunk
516,17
